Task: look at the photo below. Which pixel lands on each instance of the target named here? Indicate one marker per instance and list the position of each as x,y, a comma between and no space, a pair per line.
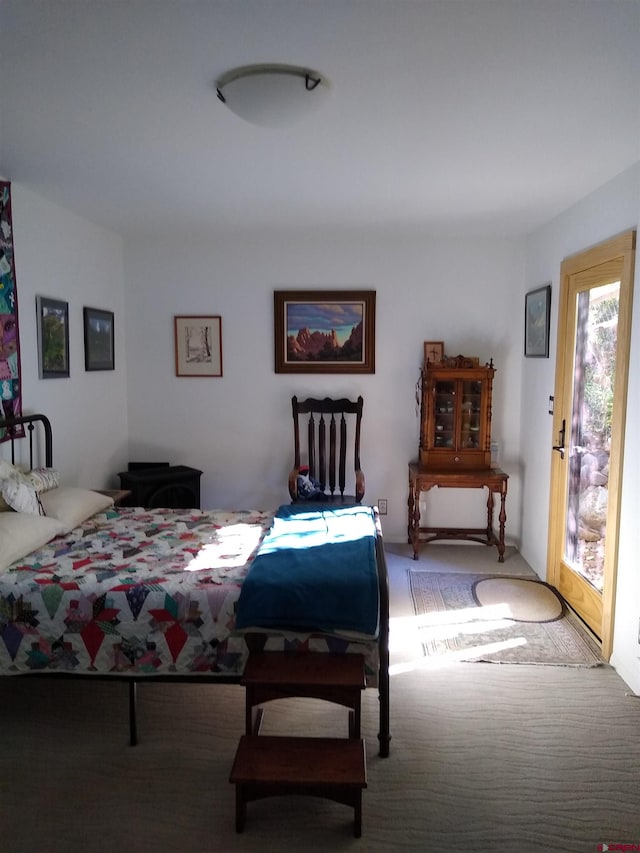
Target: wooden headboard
11,426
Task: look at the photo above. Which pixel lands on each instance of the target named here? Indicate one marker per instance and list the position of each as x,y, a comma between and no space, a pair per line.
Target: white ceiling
476,117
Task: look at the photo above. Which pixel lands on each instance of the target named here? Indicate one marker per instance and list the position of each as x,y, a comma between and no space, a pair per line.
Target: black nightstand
174,487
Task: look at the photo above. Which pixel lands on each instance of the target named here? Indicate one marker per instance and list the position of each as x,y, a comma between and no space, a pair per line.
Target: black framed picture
53,337
537,309
98,339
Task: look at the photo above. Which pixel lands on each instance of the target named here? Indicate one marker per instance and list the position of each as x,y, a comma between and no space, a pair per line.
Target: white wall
237,429
612,209
60,255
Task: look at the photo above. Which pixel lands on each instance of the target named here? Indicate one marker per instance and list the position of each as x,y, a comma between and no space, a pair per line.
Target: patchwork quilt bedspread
131,591
142,592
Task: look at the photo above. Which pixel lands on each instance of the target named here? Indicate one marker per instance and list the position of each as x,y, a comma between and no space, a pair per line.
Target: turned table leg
490,516
502,518
414,517
410,513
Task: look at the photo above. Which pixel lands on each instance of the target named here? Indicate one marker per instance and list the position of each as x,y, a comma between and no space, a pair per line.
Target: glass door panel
589,438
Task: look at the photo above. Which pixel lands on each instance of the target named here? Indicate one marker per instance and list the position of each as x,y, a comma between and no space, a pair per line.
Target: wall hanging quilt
10,396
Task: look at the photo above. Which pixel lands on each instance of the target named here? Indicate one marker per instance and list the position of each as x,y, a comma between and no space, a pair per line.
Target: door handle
560,445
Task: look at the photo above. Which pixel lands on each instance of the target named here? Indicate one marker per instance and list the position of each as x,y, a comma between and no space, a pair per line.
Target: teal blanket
315,571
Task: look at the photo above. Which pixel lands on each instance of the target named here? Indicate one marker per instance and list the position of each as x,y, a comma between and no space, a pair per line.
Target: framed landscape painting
324,331
53,337
98,339
537,307
198,345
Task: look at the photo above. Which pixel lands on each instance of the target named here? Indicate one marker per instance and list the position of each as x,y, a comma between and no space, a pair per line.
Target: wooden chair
332,433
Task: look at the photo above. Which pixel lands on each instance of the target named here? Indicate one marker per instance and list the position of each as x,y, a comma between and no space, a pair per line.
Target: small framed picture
98,339
537,305
53,337
198,344
433,352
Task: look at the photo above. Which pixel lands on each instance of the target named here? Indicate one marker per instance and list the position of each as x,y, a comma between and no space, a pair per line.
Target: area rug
452,624
523,599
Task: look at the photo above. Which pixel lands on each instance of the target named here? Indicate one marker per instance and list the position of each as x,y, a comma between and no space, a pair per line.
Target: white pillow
18,490
44,479
71,505
21,533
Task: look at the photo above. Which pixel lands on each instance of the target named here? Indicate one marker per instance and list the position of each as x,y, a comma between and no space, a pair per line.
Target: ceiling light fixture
272,95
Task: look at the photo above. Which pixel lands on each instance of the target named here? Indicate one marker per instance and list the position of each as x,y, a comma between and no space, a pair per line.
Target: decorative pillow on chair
18,490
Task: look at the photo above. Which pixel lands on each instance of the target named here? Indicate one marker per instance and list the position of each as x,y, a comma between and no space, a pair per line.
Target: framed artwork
198,343
53,337
433,352
324,331
537,309
98,339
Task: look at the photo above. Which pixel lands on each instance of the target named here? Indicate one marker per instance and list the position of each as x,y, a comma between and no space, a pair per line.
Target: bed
88,589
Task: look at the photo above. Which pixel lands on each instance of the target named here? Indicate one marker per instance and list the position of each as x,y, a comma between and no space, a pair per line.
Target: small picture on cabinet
536,322
433,352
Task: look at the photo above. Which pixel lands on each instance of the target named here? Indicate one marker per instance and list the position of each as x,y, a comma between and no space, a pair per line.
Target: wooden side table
422,479
119,495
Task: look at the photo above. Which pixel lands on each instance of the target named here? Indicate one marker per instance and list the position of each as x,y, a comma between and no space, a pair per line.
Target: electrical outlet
382,506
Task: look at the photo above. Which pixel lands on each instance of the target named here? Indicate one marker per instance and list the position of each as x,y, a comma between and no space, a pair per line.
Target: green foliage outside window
600,370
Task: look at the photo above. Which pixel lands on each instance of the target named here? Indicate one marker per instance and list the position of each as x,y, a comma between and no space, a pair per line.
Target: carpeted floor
483,758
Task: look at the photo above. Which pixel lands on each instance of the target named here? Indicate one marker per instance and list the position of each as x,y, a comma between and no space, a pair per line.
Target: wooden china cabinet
455,422
455,447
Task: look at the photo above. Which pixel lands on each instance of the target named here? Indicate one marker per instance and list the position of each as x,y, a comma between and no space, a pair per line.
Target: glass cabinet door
470,407
445,413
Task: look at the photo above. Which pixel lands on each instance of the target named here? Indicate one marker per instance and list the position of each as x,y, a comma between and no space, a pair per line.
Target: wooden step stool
278,675
267,766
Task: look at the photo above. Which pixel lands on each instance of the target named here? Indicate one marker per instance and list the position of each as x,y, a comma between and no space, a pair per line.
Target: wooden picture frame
537,310
52,318
98,339
324,331
198,345
433,352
